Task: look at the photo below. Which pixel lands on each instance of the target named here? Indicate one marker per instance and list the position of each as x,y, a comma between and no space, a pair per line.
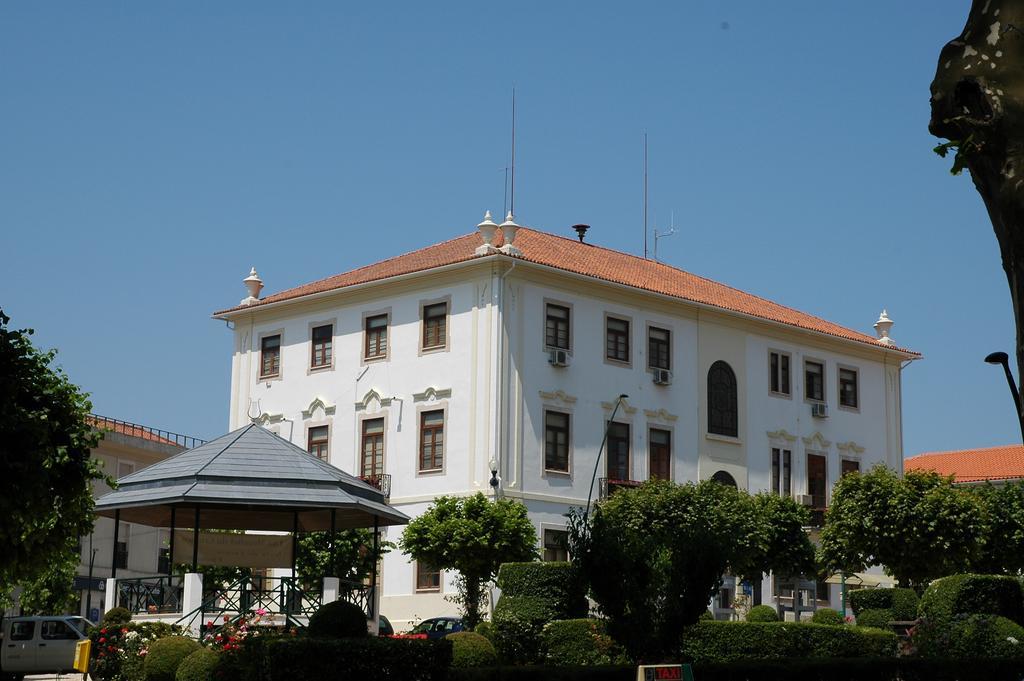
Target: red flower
226,618
124,630
103,630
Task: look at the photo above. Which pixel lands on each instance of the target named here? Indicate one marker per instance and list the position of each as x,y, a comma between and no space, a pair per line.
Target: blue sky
150,153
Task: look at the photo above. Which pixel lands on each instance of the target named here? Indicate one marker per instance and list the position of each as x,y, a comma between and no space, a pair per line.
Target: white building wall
494,381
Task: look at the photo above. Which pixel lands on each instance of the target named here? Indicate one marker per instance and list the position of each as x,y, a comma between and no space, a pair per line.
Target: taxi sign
664,672
82,650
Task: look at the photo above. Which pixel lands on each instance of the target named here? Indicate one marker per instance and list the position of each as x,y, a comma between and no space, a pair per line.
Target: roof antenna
670,232
504,202
512,202
645,205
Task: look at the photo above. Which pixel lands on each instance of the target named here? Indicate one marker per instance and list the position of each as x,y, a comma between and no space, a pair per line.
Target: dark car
385,628
438,627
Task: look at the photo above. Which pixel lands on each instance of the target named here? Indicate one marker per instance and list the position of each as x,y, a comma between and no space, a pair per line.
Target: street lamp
604,441
1003,358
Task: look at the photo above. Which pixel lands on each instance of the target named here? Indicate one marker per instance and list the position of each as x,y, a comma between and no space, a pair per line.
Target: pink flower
261,612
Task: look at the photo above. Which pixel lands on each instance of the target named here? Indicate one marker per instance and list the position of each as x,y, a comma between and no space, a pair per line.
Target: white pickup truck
39,645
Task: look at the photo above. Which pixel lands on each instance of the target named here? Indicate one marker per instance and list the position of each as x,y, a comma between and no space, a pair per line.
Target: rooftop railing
144,432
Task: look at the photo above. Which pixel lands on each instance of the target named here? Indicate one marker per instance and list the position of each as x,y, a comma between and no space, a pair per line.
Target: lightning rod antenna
512,193
645,195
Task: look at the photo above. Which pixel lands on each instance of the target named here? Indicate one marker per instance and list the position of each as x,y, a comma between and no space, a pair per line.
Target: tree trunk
978,105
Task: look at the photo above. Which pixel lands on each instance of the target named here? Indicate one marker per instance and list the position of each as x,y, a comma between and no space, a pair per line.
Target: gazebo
249,479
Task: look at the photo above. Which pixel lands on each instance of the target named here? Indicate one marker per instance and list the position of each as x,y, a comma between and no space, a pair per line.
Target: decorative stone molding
610,406
781,434
660,415
557,396
817,440
431,394
318,403
371,396
265,418
850,447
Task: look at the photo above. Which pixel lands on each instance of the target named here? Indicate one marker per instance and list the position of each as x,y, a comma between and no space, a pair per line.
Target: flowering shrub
231,635
119,651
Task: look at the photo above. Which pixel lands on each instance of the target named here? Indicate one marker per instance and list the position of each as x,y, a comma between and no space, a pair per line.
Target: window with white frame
814,381
659,348
556,326
431,440
556,441
660,445
556,544
782,472
778,367
848,393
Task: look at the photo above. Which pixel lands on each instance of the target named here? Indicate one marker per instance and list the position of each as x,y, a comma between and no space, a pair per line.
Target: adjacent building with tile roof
973,466
502,354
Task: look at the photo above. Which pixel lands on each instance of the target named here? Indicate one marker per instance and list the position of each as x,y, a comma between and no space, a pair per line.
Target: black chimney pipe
581,230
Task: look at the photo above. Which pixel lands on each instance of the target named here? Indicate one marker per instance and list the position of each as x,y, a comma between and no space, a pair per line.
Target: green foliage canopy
473,536
352,559
46,471
653,557
1003,550
919,527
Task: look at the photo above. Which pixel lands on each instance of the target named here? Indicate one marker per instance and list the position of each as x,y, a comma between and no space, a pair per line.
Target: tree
473,536
352,559
977,104
653,557
46,471
918,527
1003,549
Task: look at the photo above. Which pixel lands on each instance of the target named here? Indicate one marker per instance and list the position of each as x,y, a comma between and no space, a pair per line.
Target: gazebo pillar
192,599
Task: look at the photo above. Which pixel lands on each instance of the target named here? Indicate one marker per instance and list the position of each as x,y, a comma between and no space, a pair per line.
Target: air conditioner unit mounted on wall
805,499
558,358
661,376
819,411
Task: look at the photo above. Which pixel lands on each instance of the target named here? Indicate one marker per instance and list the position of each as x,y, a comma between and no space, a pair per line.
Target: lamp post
1003,358
88,591
604,441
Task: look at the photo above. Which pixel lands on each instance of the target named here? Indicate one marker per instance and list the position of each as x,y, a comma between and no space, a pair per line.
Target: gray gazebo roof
249,479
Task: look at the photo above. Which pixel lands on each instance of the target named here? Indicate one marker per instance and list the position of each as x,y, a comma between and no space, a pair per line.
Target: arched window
722,410
723,478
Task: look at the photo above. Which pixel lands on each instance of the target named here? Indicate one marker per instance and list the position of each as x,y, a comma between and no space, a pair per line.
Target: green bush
580,642
486,629
762,613
890,669
366,659
556,581
969,594
902,602
116,617
472,650
533,594
878,618
116,649
970,636
339,619
165,655
706,616
732,641
199,666
827,616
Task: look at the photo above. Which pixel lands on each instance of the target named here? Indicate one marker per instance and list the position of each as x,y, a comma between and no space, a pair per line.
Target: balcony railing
381,481
156,594
610,486
144,432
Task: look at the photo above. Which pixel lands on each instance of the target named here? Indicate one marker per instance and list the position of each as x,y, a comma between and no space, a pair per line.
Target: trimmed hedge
762,613
116,617
486,629
889,669
733,641
165,655
366,659
970,594
558,582
533,594
966,636
199,666
580,642
472,650
877,618
827,616
902,602
338,619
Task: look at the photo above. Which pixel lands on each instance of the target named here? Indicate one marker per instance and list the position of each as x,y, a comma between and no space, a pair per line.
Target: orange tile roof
586,259
129,429
972,465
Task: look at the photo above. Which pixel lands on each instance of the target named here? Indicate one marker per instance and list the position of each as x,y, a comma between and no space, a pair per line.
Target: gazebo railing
157,594
274,596
360,594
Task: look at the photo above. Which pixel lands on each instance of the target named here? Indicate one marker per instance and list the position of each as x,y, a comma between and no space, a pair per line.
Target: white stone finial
508,232
882,327
254,285
487,228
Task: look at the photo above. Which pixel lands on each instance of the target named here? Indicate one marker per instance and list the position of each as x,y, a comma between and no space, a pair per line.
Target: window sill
554,471
433,349
375,358
428,591
723,438
430,471
317,370
781,396
845,407
624,363
271,377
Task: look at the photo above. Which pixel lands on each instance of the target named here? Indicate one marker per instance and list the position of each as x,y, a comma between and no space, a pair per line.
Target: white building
508,351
